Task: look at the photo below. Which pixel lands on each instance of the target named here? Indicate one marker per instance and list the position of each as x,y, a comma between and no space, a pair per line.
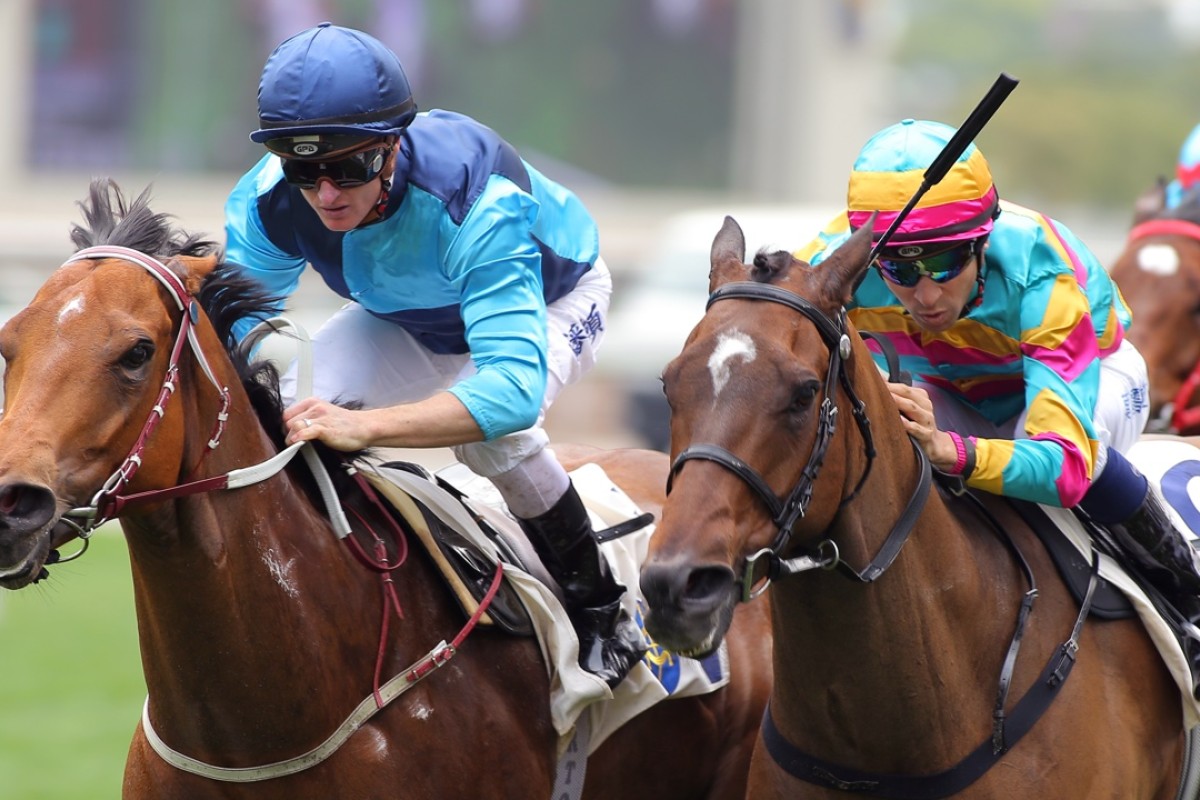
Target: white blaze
731,345
73,307
1158,259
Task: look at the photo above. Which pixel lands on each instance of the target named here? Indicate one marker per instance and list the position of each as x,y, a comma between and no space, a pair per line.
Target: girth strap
1028,711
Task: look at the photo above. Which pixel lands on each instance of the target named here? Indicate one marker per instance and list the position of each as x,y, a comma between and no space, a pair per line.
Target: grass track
71,687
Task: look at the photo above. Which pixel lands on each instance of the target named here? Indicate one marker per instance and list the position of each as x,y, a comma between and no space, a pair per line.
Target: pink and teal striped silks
1048,314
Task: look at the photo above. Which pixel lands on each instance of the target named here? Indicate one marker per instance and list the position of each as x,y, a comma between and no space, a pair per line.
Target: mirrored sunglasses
353,170
939,268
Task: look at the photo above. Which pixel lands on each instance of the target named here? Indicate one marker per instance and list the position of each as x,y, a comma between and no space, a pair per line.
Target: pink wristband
960,461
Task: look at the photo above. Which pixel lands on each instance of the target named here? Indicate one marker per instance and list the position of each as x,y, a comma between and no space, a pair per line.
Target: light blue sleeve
495,263
246,242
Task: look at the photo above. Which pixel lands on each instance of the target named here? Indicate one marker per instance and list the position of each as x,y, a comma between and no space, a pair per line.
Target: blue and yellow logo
667,666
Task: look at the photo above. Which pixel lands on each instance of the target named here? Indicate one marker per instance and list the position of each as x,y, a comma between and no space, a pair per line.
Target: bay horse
260,631
920,651
1158,272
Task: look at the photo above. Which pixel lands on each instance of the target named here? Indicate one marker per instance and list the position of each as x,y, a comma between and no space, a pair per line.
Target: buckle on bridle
827,558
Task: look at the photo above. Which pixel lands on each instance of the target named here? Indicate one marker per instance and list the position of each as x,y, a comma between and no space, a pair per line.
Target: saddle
1108,602
458,518
467,569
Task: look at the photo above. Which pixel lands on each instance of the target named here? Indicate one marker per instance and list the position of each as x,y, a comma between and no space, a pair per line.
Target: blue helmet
332,80
1187,168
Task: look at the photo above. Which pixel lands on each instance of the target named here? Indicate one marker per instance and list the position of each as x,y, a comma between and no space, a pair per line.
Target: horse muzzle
28,513
690,609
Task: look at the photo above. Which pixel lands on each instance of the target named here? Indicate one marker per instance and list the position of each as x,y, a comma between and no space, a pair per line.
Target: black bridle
1007,728
787,511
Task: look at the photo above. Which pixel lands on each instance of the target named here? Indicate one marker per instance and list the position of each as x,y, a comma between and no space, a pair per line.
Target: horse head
89,369
755,397
1158,273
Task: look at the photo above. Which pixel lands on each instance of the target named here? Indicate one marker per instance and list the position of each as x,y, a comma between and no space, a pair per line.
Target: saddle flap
467,568
1108,602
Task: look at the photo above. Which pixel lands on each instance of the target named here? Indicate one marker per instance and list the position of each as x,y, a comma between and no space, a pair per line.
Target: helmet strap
977,301
385,189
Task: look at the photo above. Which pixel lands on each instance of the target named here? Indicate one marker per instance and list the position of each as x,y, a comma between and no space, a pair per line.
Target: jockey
475,285
1024,382
1187,169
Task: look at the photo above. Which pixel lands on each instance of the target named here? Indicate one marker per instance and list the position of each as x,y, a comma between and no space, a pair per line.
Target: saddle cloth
573,692
1169,464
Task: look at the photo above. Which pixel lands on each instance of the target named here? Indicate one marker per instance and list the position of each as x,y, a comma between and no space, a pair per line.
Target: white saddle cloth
1156,459
574,692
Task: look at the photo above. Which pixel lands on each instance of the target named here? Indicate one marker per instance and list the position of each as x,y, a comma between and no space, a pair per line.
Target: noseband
787,511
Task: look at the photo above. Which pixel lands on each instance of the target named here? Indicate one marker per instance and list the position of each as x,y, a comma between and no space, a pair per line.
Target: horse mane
227,295
111,220
769,266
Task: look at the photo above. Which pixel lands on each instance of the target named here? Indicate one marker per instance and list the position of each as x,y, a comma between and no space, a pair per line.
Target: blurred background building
648,108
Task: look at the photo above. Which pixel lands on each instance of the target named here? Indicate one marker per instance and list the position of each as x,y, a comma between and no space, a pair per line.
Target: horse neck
247,600
925,625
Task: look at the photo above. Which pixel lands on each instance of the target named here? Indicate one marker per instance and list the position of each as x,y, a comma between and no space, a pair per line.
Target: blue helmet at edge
333,80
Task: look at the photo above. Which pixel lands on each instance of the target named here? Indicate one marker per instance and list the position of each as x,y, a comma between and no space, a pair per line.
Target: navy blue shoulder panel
451,156
295,228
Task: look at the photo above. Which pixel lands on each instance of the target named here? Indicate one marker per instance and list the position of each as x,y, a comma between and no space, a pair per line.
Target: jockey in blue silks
475,285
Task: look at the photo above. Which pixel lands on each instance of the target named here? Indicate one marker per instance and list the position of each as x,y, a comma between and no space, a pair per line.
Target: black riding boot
1165,559
609,641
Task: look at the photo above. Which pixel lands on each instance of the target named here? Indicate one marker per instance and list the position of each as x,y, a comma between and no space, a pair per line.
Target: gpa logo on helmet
305,149
910,251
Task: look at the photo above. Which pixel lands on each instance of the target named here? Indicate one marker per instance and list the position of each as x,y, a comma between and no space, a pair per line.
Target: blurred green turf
71,687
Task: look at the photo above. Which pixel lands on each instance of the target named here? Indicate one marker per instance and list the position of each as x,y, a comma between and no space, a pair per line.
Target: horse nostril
707,582
8,500
675,587
25,506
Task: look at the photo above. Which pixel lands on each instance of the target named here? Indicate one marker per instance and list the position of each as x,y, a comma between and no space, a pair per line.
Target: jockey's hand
916,412
340,428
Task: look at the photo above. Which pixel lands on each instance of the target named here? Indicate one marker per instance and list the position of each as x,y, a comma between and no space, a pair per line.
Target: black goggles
352,170
939,268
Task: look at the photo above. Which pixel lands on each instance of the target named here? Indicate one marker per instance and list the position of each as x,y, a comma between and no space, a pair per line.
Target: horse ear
842,271
1152,202
193,270
728,255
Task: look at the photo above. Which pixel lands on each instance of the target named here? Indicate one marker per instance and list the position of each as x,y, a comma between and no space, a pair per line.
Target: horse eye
803,395
137,356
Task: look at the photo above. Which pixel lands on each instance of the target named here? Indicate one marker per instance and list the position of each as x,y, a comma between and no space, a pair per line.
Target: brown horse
261,631
919,649
1159,276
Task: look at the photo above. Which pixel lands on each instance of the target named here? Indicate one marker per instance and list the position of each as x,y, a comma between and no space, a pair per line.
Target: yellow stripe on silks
837,226
967,334
991,457
1064,312
1050,414
1112,325
891,191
